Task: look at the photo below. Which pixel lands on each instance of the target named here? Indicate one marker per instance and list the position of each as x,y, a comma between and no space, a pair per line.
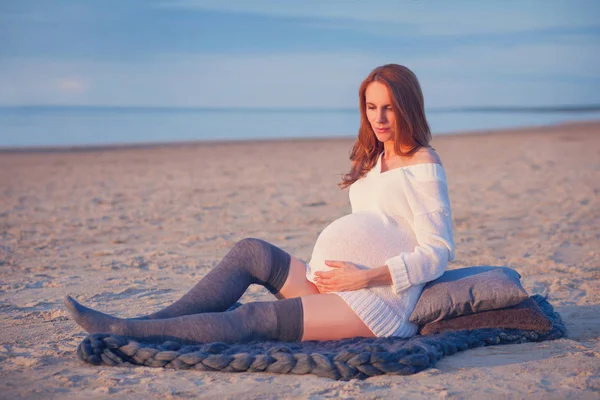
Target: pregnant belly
367,239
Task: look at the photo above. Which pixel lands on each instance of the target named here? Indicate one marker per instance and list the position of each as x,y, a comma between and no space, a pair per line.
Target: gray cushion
466,291
526,315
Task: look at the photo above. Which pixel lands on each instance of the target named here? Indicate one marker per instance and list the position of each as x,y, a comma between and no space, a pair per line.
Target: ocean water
85,126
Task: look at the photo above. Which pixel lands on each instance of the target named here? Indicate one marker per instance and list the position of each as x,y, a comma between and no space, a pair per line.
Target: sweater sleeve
432,223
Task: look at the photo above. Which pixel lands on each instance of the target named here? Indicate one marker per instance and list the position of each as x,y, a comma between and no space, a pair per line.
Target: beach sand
128,230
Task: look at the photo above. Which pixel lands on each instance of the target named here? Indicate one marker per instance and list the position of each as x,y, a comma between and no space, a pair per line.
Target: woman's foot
92,320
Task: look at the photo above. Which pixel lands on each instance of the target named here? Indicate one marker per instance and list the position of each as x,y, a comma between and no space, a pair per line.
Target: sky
310,53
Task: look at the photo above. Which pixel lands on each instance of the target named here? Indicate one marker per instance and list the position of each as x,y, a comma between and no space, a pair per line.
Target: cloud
530,61
211,80
72,86
417,17
468,76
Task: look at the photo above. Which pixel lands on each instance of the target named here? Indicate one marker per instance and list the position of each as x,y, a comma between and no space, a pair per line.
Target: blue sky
195,53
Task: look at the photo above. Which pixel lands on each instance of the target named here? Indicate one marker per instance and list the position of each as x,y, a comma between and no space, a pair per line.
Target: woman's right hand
344,277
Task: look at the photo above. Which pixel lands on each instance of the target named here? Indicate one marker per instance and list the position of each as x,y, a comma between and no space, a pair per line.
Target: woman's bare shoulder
426,155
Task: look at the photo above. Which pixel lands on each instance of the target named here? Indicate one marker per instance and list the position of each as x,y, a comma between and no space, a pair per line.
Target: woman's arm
432,225
378,276
353,278
346,276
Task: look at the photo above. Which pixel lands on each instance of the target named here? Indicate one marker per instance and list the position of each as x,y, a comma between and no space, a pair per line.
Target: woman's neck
390,152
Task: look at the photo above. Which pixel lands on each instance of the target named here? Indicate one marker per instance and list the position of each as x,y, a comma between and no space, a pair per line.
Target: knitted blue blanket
356,358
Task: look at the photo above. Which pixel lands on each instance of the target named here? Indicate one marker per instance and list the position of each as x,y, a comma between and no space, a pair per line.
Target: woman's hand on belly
344,277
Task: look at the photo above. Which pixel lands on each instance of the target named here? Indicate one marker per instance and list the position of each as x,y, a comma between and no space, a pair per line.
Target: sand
128,230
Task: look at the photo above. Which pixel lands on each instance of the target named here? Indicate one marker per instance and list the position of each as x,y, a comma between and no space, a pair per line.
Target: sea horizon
40,127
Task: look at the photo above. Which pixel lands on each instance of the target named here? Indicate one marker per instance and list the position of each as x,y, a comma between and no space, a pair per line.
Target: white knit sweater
400,218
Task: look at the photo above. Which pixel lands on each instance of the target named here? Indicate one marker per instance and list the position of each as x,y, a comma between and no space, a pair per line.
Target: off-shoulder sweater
400,218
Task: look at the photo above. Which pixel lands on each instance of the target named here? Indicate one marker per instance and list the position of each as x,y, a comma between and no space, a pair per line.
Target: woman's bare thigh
296,284
328,317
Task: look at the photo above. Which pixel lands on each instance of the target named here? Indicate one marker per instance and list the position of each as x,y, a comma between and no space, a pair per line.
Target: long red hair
412,130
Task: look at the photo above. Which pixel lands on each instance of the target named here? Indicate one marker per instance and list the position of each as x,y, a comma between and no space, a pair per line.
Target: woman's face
380,111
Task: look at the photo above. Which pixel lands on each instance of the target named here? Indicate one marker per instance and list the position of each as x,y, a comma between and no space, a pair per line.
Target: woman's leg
328,317
269,320
249,261
296,284
313,317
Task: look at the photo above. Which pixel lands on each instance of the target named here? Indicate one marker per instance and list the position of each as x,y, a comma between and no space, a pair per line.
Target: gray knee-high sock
281,320
249,261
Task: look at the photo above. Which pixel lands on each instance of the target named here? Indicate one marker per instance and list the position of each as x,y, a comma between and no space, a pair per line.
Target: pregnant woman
367,268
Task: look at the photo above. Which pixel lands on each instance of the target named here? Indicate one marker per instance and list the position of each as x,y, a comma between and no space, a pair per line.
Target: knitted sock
281,320
249,261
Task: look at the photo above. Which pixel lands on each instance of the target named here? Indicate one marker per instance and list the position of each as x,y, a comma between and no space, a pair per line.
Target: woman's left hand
344,277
